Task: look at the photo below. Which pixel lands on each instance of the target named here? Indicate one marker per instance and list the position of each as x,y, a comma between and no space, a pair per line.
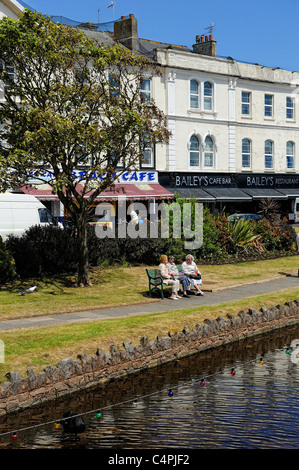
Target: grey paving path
210,298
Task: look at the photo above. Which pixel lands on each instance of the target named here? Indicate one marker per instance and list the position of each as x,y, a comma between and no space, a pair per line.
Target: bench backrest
154,271
151,272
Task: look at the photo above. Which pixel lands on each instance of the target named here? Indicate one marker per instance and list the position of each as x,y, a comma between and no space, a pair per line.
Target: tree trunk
83,264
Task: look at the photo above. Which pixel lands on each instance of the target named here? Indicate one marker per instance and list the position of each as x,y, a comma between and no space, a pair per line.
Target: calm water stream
257,408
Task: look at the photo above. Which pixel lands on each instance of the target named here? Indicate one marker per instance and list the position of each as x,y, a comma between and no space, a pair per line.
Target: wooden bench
155,282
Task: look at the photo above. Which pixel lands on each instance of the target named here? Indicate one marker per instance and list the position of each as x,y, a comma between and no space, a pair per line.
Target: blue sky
258,31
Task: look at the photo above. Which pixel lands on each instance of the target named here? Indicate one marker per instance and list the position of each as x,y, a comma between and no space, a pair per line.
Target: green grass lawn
122,285
39,347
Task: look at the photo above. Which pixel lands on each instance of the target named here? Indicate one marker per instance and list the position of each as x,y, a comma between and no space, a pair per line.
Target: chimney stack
205,45
125,31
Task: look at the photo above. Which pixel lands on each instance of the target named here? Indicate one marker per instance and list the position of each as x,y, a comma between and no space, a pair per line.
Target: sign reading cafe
134,177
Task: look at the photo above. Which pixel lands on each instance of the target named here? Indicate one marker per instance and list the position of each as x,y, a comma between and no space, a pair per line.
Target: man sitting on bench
173,271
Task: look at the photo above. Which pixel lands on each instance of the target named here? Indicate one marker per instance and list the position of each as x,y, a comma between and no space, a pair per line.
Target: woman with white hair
191,270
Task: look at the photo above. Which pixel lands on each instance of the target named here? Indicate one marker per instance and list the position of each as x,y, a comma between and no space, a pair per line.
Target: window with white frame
268,106
289,107
268,155
9,69
113,156
81,76
208,153
246,103
114,84
194,151
290,155
145,89
147,159
194,94
208,96
246,153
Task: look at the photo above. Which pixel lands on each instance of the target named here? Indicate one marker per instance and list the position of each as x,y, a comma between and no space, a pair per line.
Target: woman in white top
167,278
189,268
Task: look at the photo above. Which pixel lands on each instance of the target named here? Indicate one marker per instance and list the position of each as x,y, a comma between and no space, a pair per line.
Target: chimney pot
125,31
205,45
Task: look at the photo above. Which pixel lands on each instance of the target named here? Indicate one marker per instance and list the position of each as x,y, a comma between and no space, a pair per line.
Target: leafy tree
71,103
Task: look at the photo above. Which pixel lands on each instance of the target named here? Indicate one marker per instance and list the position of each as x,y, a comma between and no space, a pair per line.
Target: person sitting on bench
167,278
191,270
173,271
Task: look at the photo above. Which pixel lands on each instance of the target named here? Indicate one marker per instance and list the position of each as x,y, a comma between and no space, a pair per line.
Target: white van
18,212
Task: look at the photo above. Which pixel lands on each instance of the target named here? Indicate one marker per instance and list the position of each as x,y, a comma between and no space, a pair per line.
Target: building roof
148,47
16,7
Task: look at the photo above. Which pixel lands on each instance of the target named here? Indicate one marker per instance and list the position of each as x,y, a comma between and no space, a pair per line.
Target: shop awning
228,194
257,193
137,192
144,191
42,192
289,193
197,193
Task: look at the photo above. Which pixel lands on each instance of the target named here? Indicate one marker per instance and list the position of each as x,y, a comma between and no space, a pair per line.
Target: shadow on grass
289,274
57,283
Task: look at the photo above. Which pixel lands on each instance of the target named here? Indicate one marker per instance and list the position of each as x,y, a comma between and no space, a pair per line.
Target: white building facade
234,125
10,8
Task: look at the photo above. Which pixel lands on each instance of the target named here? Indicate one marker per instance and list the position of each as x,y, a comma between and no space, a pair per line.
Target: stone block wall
72,375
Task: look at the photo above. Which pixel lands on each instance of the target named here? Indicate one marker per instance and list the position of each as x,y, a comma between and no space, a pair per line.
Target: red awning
145,191
136,192
43,192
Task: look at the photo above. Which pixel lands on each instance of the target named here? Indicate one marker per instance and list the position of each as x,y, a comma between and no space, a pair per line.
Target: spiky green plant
241,234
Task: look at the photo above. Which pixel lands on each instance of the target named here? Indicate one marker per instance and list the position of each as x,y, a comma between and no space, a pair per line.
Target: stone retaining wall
71,375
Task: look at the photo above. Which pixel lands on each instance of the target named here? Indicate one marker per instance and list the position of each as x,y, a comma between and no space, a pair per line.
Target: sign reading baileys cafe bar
229,180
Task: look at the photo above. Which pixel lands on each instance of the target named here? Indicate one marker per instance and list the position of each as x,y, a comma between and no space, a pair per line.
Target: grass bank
39,347
122,285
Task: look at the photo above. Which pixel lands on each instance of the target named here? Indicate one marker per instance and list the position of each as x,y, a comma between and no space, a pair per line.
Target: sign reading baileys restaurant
229,180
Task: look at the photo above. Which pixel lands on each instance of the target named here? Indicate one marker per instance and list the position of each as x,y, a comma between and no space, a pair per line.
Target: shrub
241,236
7,264
276,237
212,246
43,250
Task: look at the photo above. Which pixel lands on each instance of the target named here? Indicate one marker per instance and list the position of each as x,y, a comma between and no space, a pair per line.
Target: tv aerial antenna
111,5
211,28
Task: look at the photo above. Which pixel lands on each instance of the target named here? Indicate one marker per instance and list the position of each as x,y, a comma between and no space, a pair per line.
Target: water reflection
255,409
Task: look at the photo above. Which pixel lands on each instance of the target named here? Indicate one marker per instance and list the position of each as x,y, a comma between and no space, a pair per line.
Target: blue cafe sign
134,177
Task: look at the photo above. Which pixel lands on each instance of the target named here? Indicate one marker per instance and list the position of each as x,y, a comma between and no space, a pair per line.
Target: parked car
237,216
